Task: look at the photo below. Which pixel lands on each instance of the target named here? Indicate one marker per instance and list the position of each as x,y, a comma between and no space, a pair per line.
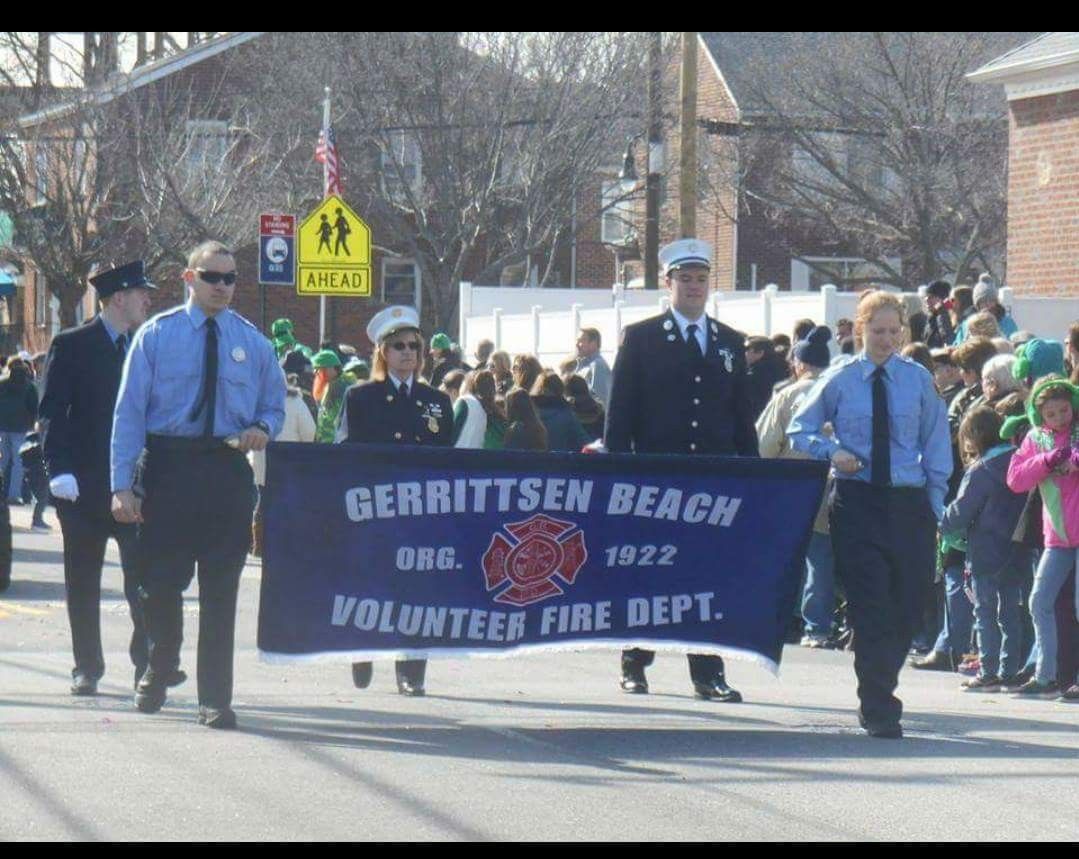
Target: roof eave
123,84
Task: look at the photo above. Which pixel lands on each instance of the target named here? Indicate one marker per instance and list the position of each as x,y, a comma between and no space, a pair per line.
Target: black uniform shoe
717,690
361,674
221,720
409,687
882,730
633,679
83,684
176,678
935,661
150,694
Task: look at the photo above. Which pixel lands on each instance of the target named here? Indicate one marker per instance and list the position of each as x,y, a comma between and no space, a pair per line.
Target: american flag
326,153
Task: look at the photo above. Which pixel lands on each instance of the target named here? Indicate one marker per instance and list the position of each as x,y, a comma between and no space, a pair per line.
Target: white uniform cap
386,322
684,252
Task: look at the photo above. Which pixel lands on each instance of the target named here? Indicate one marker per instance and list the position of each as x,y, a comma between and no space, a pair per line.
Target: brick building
1041,82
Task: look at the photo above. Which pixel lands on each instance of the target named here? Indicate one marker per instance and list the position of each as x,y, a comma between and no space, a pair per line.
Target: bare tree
876,144
465,151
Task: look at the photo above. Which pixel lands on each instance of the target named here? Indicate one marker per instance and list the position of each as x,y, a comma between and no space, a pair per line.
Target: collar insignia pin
239,355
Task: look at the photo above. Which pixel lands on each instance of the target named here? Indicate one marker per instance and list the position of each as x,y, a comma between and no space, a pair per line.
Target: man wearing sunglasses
201,387
395,407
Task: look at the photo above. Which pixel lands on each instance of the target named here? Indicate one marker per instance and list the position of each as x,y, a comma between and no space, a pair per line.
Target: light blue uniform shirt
163,376
921,448
110,331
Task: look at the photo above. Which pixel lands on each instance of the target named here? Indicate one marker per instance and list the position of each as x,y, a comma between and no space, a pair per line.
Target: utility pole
687,172
655,163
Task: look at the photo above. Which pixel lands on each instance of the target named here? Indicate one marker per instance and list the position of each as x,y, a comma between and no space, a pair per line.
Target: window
207,144
806,161
400,282
402,166
617,225
847,273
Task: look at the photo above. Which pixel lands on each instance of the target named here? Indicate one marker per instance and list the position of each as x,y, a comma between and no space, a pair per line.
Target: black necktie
402,391
694,344
208,398
881,457
121,346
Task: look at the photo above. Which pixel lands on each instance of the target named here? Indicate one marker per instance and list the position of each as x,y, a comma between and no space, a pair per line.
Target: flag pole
325,190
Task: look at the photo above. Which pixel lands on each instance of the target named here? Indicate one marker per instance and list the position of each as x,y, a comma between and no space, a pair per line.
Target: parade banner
383,552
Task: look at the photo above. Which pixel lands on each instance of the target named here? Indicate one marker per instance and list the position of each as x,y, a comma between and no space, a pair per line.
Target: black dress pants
87,529
197,511
884,540
703,667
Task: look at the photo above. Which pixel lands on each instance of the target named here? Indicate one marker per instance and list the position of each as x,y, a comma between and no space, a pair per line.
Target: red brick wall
1043,195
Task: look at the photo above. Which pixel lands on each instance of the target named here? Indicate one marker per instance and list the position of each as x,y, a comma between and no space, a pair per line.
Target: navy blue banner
375,552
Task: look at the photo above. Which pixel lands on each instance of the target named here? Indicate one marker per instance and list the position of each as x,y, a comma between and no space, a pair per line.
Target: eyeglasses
215,277
401,346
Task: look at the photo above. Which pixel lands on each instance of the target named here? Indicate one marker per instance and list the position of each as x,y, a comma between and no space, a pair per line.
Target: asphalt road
535,748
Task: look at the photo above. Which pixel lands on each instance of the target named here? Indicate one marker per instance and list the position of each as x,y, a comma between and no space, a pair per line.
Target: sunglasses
401,346
214,277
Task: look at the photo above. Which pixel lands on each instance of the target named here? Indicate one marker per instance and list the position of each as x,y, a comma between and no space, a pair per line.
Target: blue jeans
818,598
1053,571
10,442
954,638
998,621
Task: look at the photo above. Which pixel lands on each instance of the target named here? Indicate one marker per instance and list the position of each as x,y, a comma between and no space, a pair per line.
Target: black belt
185,444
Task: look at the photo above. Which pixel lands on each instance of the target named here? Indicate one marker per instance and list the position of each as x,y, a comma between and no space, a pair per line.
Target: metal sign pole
325,186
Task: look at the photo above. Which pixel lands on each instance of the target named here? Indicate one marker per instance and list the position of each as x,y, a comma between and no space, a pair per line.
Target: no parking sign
277,249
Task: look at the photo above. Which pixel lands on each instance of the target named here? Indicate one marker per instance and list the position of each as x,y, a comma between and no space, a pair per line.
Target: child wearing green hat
1049,459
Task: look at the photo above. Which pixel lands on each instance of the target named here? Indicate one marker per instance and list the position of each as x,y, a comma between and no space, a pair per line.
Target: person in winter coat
984,515
331,384
588,410
1048,459
479,422
810,358
564,431
525,430
18,411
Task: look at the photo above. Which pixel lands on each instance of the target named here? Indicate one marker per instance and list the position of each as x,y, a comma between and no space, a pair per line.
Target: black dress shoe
410,688
176,678
361,674
633,679
150,694
882,730
223,719
717,690
83,684
935,661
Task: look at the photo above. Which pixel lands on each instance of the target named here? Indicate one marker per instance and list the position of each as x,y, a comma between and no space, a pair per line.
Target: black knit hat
814,349
940,289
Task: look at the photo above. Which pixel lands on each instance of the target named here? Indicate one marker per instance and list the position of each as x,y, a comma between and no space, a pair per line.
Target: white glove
65,486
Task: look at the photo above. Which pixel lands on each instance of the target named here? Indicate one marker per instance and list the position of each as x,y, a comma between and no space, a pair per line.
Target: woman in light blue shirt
891,456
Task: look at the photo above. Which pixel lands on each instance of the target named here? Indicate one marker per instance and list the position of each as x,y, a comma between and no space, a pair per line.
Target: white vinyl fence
545,322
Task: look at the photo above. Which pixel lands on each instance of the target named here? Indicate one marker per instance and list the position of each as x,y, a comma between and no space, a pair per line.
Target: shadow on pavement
35,556
29,589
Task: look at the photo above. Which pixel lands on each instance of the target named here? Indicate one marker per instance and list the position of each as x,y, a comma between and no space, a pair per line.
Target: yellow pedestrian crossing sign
334,256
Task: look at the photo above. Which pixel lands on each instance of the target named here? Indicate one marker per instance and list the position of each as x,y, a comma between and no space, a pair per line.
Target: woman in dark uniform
395,407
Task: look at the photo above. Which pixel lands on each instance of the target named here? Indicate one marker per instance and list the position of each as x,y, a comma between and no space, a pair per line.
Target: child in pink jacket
1049,459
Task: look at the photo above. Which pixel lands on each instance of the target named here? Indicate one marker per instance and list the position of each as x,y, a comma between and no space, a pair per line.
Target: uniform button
693,447
397,436
697,379
693,424
696,402
389,398
417,438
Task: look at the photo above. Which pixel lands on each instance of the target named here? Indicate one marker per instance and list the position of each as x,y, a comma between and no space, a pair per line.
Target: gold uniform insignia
432,425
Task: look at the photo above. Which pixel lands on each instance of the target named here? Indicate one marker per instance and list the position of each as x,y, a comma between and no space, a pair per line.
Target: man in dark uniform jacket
396,408
680,386
82,377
